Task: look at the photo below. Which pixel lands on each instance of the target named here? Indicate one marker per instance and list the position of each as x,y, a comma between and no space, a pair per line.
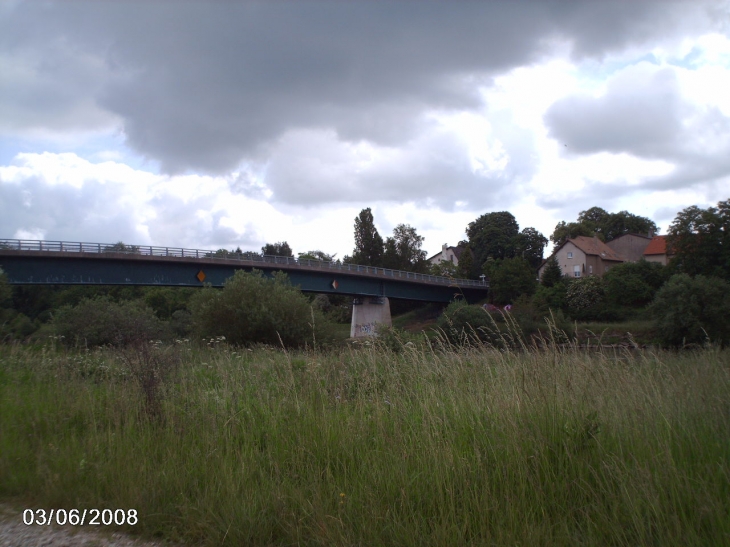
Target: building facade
582,256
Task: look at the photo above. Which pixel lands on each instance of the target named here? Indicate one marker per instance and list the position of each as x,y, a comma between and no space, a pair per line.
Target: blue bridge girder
27,262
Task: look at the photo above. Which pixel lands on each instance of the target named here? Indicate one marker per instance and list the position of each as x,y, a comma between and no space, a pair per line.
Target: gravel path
13,533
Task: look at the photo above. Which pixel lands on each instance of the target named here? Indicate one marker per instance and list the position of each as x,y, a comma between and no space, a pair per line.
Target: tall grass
424,446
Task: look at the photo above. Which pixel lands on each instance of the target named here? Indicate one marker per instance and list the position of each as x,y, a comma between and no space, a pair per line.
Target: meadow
363,445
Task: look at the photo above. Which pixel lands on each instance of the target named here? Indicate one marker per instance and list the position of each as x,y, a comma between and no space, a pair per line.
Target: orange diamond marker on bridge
201,276
335,284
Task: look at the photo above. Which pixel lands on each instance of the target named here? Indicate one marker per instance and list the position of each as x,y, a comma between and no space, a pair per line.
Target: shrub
510,278
690,310
100,321
585,297
634,284
252,308
464,324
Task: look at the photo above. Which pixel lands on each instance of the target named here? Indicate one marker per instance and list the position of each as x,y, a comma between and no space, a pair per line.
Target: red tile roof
594,246
657,246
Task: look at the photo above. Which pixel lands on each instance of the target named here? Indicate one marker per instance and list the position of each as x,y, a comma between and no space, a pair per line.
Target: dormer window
570,254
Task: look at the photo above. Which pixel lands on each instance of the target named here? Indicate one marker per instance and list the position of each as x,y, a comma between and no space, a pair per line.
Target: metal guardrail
149,250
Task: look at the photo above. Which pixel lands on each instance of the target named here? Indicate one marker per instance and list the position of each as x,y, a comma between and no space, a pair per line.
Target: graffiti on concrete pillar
365,329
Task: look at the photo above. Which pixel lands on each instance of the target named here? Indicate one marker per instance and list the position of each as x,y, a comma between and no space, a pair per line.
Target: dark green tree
5,290
492,235
465,269
280,248
634,284
699,239
564,231
623,222
690,310
551,274
403,250
368,242
529,244
252,308
509,278
444,268
317,255
602,224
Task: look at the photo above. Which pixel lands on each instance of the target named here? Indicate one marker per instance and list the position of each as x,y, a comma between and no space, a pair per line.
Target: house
656,251
447,254
630,246
581,256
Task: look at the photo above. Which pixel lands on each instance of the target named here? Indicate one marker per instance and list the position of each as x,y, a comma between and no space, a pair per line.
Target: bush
510,278
551,298
634,284
585,298
254,309
464,324
100,321
691,310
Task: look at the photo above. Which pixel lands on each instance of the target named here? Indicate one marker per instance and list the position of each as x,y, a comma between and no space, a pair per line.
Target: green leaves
252,308
692,310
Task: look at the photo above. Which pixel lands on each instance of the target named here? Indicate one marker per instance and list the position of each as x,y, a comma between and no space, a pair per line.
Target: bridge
33,262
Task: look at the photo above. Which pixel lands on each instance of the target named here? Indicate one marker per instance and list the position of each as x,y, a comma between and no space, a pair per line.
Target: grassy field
365,446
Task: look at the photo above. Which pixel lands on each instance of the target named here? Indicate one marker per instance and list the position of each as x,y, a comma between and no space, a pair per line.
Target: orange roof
594,246
657,246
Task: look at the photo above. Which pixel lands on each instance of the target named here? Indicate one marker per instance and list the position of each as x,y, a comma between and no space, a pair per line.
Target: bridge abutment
367,313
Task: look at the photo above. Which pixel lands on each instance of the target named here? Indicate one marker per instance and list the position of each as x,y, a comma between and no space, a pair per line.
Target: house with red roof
656,251
581,256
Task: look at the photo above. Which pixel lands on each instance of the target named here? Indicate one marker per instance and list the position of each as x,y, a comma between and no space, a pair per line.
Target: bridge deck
56,262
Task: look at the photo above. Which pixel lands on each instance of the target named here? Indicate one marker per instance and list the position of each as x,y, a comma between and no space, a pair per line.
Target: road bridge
31,262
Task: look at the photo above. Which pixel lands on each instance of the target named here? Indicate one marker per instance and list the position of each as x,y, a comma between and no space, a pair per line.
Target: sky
224,124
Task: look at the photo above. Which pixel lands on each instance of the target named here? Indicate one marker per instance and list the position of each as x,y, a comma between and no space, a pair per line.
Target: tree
403,250
700,240
445,268
509,278
368,242
690,310
492,235
623,222
280,248
602,224
5,290
529,244
121,247
252,308
564,231
466,263
317,255
634,284
551,274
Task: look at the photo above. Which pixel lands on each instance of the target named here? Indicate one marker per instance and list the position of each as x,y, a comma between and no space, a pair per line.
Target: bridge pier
367,312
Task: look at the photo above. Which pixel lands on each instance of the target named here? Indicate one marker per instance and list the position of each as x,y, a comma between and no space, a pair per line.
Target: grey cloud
640,113
644,114
202,86
308,169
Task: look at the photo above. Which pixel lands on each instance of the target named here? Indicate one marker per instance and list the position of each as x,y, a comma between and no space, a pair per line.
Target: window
576,271
590,269
570,254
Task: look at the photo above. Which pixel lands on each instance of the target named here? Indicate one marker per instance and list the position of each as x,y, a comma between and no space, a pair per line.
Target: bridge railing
149,250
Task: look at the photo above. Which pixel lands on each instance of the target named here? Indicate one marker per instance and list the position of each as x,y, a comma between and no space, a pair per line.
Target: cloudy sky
222,124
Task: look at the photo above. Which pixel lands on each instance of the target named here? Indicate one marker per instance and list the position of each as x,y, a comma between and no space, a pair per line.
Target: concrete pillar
368,311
